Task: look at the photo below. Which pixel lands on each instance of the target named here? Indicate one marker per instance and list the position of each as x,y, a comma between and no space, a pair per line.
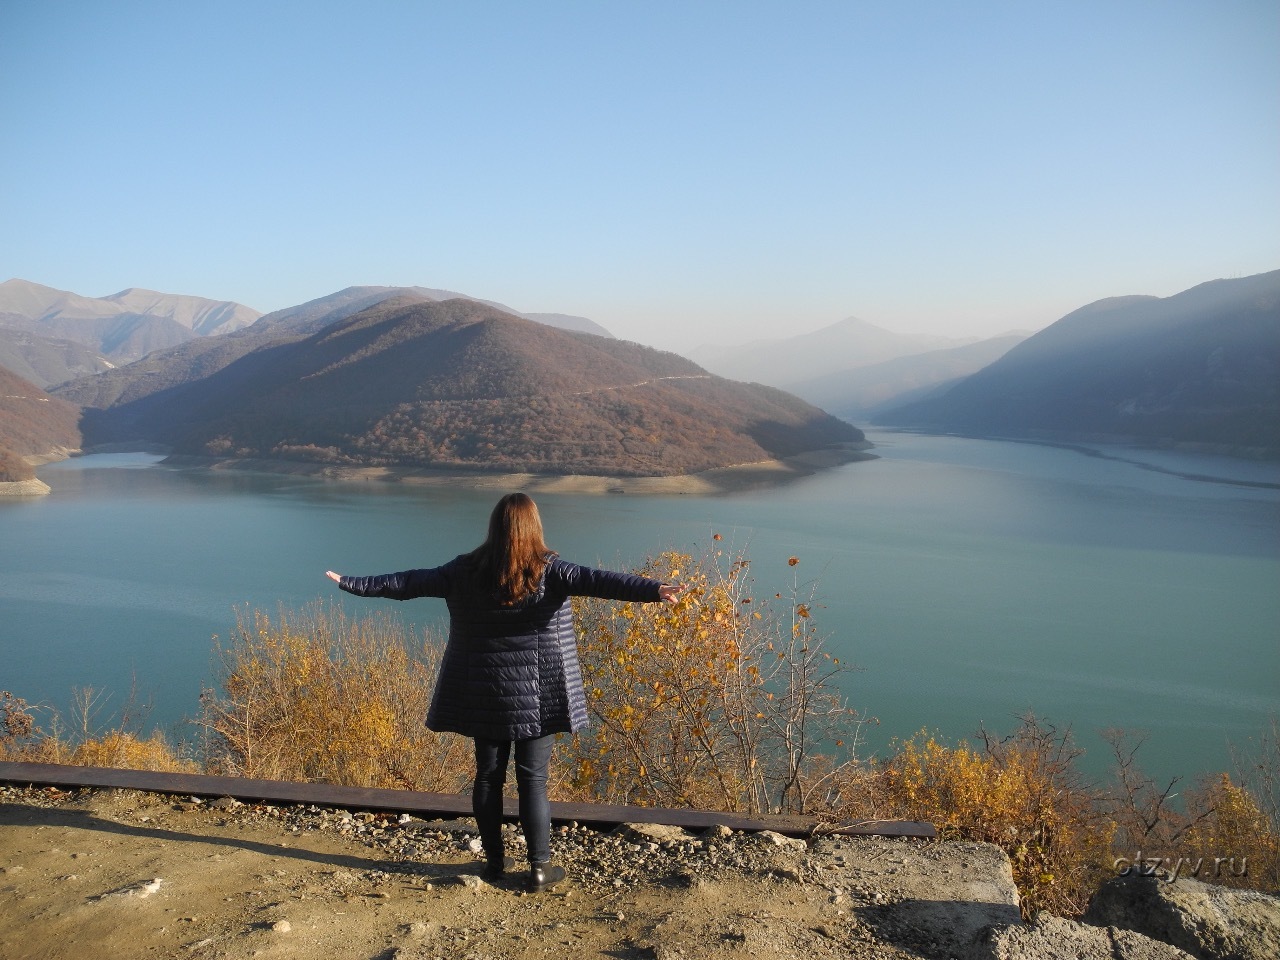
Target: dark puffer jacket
509,673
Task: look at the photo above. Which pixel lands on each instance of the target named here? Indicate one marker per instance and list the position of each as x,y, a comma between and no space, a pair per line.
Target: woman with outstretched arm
510,674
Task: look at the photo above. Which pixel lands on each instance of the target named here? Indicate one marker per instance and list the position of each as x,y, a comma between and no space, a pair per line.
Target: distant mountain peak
349,300
786,362
48,306
133,291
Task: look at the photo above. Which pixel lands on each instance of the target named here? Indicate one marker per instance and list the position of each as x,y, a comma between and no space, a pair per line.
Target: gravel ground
122,874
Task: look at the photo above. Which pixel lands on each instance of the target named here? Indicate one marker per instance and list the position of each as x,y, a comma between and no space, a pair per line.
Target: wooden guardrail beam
421,804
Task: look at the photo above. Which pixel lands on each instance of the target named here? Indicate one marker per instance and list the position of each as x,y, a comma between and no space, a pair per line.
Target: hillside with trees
32,424
1201,367
459,384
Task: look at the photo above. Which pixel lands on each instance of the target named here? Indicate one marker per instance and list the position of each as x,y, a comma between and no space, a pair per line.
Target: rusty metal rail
426,805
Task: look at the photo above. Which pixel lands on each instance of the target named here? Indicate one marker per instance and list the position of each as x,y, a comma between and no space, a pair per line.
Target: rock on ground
1207,921
1053,938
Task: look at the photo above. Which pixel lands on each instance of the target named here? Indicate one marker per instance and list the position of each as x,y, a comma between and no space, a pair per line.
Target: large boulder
927,899
1207,921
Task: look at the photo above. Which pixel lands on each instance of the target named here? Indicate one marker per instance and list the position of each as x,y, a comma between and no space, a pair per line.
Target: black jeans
532,759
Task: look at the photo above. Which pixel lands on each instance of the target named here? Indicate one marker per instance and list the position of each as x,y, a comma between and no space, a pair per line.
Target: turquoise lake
969,580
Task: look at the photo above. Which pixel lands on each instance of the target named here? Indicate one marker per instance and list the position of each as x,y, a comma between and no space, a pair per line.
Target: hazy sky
679,172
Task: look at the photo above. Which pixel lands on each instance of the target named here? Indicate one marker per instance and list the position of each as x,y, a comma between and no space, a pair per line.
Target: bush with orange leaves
317,696
1225,830
121,746
1022,793
1237,844
1063,835
720,701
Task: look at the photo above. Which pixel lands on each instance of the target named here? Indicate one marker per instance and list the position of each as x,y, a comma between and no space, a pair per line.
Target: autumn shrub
314,695
720,701
85,743
14,468
18,730
120,748
1236,844
1022,793
1222,831
1257,765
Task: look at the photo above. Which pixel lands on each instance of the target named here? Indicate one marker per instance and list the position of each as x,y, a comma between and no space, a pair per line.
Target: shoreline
1112,448
719,480
24,488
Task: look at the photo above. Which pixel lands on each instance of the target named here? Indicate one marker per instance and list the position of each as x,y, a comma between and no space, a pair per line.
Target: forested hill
461,384
1199,367
31,424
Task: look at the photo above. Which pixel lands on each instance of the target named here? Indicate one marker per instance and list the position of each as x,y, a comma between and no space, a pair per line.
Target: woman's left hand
670,592
335,577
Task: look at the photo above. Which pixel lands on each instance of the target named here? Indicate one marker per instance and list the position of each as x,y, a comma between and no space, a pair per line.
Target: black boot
544,876
495,870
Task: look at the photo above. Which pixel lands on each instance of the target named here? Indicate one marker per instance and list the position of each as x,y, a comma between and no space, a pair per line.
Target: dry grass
317,696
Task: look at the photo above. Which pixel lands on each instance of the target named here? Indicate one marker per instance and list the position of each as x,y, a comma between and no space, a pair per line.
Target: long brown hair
514,555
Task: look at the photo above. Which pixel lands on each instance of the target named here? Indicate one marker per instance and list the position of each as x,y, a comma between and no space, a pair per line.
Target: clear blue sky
679,172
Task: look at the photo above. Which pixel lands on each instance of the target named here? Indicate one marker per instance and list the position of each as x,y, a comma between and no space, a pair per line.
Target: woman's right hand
670,592
335,577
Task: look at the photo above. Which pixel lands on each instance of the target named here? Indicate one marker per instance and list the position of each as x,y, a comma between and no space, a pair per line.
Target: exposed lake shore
23,488
746,476
732,479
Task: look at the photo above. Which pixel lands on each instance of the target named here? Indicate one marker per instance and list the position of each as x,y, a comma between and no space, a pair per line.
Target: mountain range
38,324
414,382
197,359
411,376
50,336
1199,367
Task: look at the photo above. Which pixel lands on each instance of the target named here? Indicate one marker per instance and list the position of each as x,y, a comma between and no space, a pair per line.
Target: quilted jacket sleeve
588,582
406,585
